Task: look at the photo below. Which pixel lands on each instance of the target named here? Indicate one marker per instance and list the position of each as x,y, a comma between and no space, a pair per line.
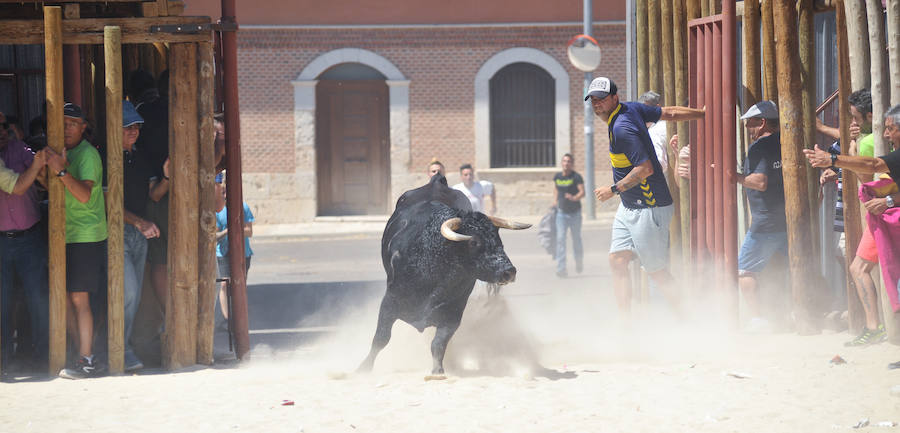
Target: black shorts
85,266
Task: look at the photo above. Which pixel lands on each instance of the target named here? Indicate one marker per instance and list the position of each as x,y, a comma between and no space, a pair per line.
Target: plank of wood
72,11
207,233
181,312
149,9
112,47
90,30
162,7
53,60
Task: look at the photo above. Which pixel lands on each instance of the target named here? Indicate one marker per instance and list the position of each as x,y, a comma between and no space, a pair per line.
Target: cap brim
596,93
132,123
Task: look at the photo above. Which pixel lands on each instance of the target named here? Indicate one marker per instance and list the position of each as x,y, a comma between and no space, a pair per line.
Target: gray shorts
644,232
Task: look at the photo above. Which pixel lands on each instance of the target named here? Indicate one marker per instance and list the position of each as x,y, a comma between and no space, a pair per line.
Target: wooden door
352,147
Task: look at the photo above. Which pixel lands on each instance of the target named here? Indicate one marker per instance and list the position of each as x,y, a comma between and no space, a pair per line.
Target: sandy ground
548,355
501,378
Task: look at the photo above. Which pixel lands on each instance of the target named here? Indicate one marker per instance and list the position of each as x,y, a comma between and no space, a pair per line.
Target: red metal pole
698,164
709,143
234,201
697,212
717,143
729,101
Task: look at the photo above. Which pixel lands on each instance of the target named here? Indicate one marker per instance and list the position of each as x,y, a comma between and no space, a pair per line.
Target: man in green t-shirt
81,172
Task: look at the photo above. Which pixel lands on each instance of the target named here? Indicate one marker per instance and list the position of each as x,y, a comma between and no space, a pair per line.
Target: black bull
433,249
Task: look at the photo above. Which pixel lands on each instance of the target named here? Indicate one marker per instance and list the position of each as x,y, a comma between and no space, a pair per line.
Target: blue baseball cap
130,116
219,178
73,111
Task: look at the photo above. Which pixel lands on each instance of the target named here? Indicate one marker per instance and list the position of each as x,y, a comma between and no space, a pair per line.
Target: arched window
522,117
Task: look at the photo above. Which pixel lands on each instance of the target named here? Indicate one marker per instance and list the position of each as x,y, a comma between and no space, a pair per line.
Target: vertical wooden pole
668,60
858,44
233,184
793,165
807,43
643,53
679,26
207,244
769,66
653,32
879,89
692,9
852,226
752,84
704,8
893,35
729,158
57,224
112,47
181,312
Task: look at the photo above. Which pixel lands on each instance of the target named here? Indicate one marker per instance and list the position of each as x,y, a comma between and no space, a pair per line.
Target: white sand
661,378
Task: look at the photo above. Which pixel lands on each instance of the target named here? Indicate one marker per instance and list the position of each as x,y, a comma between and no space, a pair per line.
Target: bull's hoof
435,377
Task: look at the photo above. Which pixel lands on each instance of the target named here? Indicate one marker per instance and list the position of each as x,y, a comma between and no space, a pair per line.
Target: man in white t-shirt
657,131
476,191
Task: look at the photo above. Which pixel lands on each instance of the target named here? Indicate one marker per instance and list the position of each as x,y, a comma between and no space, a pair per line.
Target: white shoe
758,325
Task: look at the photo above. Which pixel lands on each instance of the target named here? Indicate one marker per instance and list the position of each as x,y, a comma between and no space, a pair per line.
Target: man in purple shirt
23,248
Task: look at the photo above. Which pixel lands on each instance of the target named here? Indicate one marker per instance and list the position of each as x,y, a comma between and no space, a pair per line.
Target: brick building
344,103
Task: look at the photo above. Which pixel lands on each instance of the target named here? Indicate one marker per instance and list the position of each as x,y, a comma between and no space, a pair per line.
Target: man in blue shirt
641,226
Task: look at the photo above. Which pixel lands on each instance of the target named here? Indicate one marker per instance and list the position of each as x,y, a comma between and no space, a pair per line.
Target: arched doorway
352,141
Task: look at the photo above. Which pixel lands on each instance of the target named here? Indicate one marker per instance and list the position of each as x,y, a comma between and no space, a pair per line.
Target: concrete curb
345,227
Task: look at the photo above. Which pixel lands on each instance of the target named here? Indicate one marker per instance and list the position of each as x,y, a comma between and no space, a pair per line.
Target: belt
17,233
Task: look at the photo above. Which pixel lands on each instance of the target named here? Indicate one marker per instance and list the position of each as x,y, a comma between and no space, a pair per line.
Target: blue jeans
758,248
135,257
25,256
571,221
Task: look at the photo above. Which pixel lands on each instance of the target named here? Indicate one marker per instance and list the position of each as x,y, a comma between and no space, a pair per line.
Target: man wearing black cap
641,225
81,172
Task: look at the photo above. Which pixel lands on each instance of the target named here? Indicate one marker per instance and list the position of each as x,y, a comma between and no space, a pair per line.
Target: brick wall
441,64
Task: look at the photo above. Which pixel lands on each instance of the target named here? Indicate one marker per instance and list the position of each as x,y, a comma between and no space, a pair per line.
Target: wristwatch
62,173
834,157
614,189
889,201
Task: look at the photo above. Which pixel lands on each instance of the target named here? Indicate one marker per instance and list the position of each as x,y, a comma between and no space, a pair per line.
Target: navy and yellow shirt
630,146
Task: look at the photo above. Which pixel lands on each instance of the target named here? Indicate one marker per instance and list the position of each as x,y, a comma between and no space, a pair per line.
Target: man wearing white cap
641,226
763,181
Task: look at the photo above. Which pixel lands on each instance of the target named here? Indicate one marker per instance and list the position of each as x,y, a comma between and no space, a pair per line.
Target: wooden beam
769,66
752,83
858,44
57,225
72,11
149,9
802,259
162,7
807,45
668,62
893,34
112,48
880,87
852,225
653,45
181,312
643,54
90,30
207,233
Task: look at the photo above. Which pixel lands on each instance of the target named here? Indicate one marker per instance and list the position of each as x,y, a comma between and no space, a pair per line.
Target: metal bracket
225,26
176,29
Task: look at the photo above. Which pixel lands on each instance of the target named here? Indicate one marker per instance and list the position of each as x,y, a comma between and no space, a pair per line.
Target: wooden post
57,224
679,25
653,46
770,84
893,35
207,245
858,44
807,33
852,226
643,54
879,89
112,47
692,9
704,8
752,84
793,163
181,311
668,61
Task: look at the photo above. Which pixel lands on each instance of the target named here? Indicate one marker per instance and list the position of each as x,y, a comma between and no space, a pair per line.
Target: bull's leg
386,319
439,346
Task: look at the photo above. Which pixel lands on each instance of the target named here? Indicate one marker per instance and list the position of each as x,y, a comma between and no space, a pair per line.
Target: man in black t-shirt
763,181
568,190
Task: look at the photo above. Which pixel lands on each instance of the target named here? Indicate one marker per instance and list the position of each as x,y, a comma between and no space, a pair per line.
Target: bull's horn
506,224
448,230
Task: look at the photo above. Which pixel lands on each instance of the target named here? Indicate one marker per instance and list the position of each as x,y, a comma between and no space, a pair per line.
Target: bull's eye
475,243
